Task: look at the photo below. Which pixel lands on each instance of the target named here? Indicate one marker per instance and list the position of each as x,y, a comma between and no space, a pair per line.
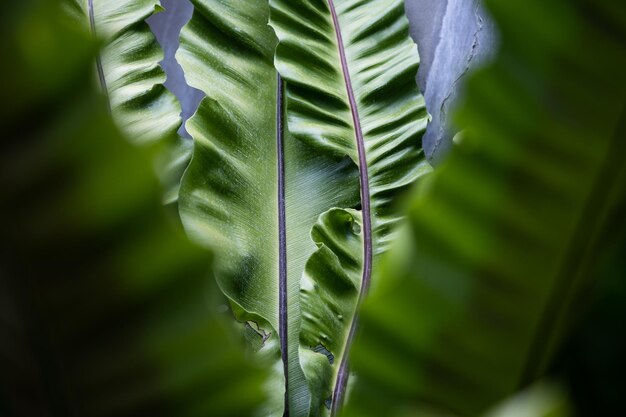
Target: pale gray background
453,37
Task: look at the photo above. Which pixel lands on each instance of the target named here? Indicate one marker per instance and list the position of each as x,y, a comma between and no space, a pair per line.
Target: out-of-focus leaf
591,362
481,289
104,305
542,399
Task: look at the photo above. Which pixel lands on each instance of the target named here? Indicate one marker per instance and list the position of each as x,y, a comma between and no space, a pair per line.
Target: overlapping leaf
350,70
482,288
234,190
128,67
129,72
329,296
104,303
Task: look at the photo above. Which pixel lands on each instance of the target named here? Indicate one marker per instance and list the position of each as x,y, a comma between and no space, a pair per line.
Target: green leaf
350,69
476,297
542,399
171,164
329,296
105,306
246,172
129,74
128,67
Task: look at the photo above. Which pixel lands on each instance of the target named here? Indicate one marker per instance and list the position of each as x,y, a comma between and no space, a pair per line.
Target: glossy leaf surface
128,70
128,66
350,70
252,192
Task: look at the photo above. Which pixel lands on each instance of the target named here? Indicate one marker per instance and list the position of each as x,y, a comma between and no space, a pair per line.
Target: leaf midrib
343,373
282,240
92,24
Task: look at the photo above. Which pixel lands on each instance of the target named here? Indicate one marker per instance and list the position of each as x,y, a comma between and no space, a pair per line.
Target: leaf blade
104,300
481,289
230,194
351,90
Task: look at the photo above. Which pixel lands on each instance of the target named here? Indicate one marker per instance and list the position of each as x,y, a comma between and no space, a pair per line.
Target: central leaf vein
342,376
282,239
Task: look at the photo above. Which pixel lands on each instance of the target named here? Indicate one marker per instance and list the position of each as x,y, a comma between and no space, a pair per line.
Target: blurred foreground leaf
542,399
476,298
104,305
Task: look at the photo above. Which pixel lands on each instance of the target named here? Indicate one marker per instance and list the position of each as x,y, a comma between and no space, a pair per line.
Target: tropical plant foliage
129,74
501,246
308,185
256,192
106,309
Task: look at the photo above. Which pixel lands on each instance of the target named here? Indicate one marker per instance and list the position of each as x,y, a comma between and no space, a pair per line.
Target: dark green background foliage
105,308
504,244
511,268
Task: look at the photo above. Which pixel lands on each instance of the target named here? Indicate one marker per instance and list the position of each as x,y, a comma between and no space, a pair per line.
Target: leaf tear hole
328,402
322,349
254,327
